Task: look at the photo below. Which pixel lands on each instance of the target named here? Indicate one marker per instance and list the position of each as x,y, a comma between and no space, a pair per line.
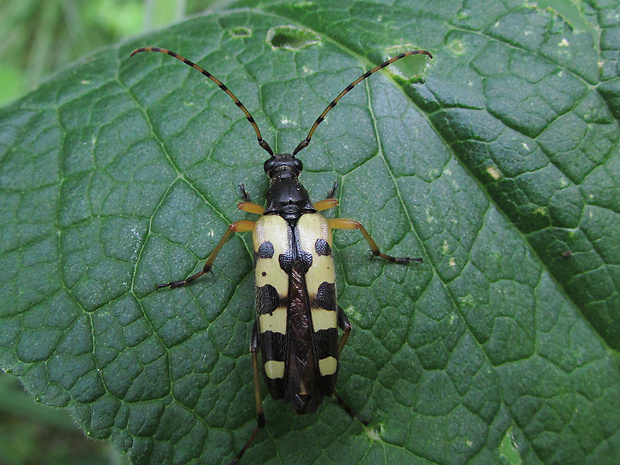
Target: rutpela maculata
297,314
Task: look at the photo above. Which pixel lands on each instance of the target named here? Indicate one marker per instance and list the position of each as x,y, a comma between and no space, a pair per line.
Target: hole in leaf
240,32
291,38
410,69
509,449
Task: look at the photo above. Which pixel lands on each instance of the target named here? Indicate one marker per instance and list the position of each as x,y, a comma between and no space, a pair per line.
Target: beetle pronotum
297,315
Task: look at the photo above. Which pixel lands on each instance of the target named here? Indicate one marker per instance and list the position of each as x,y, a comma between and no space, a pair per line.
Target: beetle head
283,165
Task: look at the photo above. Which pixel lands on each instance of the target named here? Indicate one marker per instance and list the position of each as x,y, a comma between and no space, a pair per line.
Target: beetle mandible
297,314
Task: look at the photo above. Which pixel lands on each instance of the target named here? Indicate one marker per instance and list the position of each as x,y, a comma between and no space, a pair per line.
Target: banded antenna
220,84
304,143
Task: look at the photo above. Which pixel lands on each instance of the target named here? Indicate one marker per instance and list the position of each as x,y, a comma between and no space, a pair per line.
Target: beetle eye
268,166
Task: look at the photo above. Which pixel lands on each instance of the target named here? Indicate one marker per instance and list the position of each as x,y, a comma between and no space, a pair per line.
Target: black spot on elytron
322,247
326,296
306,261
265,250
273,346
286,262
326,343
276,386
264,273
327,384
267,299
303,264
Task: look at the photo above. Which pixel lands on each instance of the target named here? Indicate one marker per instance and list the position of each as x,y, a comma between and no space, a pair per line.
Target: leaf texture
497,162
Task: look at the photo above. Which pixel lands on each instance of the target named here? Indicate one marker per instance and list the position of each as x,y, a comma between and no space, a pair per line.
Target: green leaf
497,162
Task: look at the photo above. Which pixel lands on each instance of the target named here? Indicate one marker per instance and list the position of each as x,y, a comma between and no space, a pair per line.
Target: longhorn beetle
297,314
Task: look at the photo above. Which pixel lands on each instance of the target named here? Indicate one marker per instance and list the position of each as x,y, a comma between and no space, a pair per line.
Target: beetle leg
244,194
246,204
251,207
329,202
254,349
348,409
332,192
343,223
345,325
237,226
325,204
260,414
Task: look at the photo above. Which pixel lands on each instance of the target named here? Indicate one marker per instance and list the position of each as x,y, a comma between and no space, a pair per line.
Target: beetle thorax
286,196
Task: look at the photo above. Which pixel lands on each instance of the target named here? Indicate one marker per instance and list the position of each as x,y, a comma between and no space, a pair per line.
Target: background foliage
41,37
38,38
498,163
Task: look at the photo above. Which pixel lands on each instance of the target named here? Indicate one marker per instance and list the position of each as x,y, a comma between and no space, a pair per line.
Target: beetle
297,314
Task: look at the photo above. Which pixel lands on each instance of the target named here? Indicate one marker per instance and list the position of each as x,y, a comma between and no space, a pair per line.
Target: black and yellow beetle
297,315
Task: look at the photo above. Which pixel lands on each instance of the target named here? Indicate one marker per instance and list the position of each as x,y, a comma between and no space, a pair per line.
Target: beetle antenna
304,143
220,84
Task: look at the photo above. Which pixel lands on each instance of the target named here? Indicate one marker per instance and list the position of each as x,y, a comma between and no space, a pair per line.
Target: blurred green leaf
35,433
498,164
11,82
118,18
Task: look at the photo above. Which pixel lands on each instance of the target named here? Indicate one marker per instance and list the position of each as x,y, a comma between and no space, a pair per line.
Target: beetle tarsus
352,413
244,194
396,260
332,192
172,284
246,445
406,260
177,284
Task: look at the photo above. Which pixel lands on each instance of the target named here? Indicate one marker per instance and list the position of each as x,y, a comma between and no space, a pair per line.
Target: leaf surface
497,162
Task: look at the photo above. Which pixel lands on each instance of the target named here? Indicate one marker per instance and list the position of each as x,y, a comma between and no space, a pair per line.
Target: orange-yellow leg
237,226
251,208
325,204
343,223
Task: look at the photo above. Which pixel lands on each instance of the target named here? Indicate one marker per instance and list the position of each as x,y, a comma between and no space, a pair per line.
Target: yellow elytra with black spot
297,315
295,264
